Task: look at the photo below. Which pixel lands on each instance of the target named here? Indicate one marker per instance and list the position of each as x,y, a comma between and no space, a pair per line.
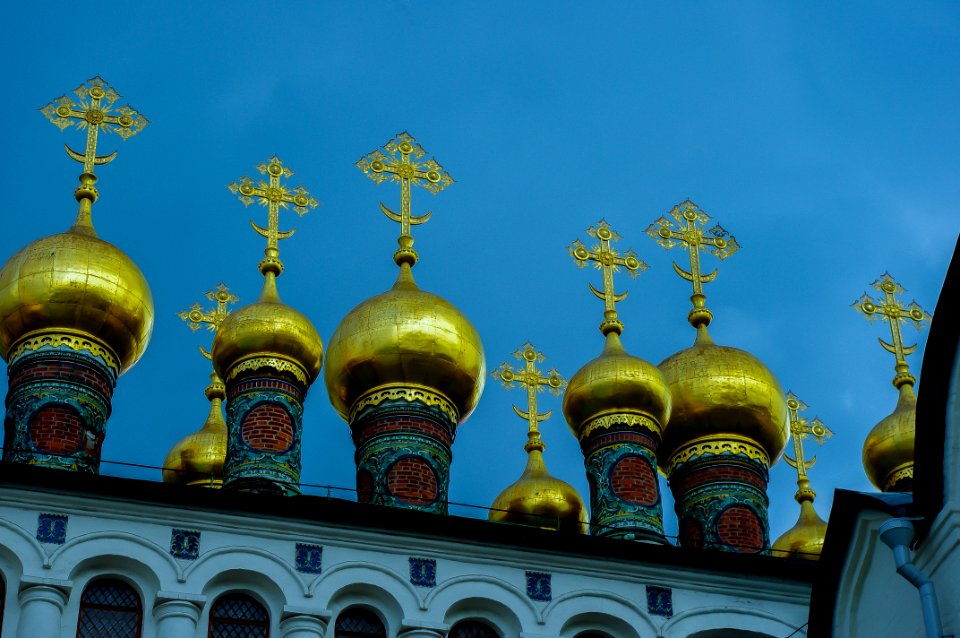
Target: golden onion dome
539,499
888,449
76,283
616,383
405,338
722,395
197,459
268,329
805,539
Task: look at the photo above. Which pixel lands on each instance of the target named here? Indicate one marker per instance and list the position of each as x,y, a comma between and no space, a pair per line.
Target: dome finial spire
196,316
534,381
607,259
395,165
800,429
274,196
93,109
688,231
895,312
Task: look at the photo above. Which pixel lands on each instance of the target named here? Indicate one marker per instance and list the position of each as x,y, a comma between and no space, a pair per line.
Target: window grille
357,622
109,609
472,629
238,616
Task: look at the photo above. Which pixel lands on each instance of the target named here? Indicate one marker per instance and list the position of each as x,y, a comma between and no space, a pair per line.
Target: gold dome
616,383
405,338
539,499
76,283
888,450
722,395
268,329
197,459
805,539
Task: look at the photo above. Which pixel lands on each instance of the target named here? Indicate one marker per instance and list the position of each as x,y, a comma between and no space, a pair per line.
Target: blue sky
823,137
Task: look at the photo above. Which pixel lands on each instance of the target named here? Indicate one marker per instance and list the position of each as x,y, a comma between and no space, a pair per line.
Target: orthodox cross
895,312
396,165
801,429
196,316
274,196
94,109
607,259
534,381
687,229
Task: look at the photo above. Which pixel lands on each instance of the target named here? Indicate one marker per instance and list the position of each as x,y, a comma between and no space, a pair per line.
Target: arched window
238,616
109,608
472,629
357,622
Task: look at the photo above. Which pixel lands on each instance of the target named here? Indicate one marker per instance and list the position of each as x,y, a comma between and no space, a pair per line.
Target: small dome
405,337
805,539
268,329
540,500
616,383
74,282
198,458
720,394
888,450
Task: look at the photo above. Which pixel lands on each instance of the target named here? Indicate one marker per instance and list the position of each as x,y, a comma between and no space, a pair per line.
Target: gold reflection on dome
197,459
75,286
888,448
724,399
805,539
537,498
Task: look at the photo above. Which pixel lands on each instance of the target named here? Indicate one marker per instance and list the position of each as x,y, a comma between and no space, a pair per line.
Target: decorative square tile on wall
185,544
52,528
309,558
660,601
538,586
423,572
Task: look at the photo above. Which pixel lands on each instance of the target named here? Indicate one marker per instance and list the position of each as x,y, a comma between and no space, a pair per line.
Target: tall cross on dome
800,429
94,109
687,229
534,381
895,312
396,165
196,316
609,260
274,196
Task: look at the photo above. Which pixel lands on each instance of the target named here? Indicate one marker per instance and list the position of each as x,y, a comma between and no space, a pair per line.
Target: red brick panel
412,480
718,474
268,427
364,486
740,528
62,370
634,480
691,533
404,423
57,429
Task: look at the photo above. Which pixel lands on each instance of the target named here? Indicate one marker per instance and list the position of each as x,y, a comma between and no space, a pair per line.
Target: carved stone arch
273,571
114,547
373,598
729,633
506,605
400,594
139,575
574,613
259,586
22,546
761,623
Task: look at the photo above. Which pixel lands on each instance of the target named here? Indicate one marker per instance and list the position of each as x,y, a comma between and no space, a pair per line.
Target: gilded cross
534,381
196,315
895,312
687,229
94,109
607,259
274,196
396,165
802,429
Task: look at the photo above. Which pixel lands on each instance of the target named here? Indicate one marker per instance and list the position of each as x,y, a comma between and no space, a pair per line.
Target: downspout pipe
897,534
